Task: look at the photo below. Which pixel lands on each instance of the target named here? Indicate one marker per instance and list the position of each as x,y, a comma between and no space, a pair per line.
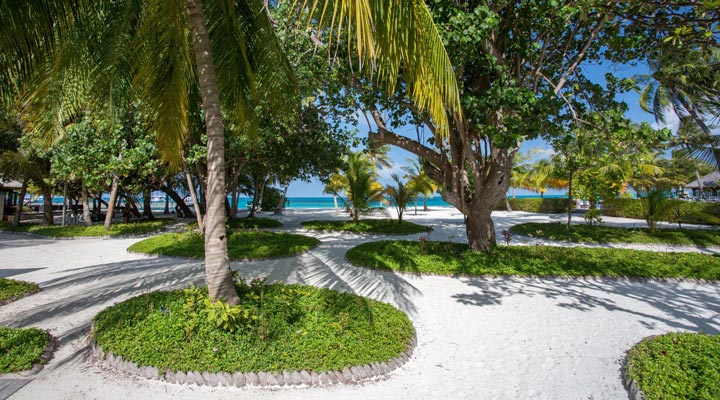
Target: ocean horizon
323,202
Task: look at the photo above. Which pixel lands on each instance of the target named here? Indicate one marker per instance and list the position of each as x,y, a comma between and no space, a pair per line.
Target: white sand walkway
504,338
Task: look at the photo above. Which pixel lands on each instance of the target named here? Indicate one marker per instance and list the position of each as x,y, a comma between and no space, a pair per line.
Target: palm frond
390,36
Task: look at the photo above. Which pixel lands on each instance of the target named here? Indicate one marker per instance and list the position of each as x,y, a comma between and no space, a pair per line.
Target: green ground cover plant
611,234
384,226
21,348
278,327
11,289
547,206
133,228
687,211
242,245
445,258
254,223
676,366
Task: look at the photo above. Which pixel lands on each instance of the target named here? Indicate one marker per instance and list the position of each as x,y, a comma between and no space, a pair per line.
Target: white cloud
672,121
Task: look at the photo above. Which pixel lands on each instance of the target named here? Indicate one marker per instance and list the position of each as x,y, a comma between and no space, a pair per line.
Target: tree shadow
678,305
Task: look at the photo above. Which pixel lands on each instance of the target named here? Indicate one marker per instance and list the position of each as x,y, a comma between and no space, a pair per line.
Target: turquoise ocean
158,201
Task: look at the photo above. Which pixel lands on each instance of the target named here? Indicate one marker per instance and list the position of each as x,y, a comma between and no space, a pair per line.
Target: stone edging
634,392
348,375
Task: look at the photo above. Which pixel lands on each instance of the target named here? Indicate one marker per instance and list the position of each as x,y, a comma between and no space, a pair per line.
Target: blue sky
541,148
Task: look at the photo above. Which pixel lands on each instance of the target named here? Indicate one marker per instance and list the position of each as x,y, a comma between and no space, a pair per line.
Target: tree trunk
570,201
508,207
147,204
257,196
20,203
480,230
177,199
700,184
217,264
111,202
337,209
235,196
87,219
47,206
196,203
167,204
280,206
64,207
425,207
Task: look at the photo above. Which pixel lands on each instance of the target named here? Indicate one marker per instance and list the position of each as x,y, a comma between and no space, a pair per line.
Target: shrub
446,258
21,348
11,289
687,211
277,327
676,366
547,206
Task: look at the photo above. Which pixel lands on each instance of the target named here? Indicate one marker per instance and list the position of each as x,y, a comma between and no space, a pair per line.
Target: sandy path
504,338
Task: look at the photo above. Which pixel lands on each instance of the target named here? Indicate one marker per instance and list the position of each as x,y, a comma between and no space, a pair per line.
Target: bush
279,327
133,228
690,211
612,234
21,348
546,206
676,366
11,289
446,258
384,226
242,245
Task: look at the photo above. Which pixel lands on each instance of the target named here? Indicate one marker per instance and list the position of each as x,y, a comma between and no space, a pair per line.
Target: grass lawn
293,327
385,226
254,223
241,245
446,258
611,234
677,366
133,228
21,348
10,289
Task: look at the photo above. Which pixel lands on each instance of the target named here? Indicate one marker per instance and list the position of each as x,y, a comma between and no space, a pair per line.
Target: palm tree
419,181
358,181
335,186
235,56
400,195
687,84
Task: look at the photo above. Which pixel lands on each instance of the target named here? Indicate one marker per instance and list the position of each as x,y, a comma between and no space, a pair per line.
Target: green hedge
632,208
548,206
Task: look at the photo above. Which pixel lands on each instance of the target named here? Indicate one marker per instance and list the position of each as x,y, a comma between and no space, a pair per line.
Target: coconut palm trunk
19,205
112,201
217,264
86,206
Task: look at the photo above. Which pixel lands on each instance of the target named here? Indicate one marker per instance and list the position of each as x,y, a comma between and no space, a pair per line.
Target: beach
488,338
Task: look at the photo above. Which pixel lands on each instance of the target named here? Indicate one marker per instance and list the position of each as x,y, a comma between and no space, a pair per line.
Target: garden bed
674,366
383,226
285,335
611,234
242,245
445,258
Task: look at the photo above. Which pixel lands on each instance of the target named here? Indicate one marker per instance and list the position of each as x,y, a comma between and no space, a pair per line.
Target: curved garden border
634,392
348,375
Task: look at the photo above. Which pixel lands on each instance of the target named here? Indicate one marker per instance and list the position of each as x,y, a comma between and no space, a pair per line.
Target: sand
489,338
